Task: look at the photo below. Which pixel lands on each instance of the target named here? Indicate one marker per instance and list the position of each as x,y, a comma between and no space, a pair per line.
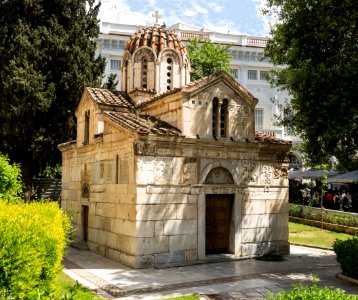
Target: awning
310,174
349,177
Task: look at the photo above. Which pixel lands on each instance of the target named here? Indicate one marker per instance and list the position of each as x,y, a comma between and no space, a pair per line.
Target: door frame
228,223
235,237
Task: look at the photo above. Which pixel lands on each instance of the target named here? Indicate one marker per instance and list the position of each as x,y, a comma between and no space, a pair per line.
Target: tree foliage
111,83
10,180
207,58
316,42
47,57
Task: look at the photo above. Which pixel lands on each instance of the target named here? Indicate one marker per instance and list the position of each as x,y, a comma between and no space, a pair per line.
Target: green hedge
347,256
32,241
311,292
307,212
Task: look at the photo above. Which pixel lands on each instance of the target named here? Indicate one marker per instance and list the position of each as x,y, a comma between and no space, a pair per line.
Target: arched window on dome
169,78
144,73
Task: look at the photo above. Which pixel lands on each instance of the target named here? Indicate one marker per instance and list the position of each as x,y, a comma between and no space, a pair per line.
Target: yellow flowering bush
33,237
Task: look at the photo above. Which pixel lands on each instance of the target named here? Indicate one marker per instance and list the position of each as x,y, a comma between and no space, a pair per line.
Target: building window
259,119
144,73
115,64
215,116
252,74
264,75
106,44
223,118
86,128
121,45
169,73
234,73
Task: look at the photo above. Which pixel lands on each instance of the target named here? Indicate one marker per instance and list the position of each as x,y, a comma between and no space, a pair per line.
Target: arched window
169,73
86,128
223,118
144,73
126,76
215,116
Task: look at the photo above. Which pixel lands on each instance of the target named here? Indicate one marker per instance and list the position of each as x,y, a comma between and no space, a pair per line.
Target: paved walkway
240,279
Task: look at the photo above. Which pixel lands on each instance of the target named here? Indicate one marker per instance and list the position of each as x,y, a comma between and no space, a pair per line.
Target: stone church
169,171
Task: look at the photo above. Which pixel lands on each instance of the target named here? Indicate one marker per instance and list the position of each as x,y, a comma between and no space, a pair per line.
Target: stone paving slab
243,279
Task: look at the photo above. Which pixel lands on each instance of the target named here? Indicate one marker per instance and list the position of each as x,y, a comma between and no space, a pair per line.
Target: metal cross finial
156,15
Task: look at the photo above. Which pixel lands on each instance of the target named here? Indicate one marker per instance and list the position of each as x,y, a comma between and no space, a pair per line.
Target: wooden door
217,229
85,222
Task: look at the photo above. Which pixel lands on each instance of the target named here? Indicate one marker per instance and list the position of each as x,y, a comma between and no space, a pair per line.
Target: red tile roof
270,138
106,97
157,38
143,124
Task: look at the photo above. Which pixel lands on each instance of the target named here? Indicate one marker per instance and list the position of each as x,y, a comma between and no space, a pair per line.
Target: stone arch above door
219,175
224,170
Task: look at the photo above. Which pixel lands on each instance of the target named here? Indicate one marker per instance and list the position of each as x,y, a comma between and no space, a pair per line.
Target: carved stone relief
123,171
189,171
266,174
144,53
162,170
219,175
145,149
145,172
249,173
280,173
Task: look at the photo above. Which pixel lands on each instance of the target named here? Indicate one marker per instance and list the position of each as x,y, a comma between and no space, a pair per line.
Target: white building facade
247,67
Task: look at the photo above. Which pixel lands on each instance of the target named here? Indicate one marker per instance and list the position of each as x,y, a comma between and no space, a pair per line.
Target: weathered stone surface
187,211
277,206
254,207
182,242
175,227
278,220
169,258
159,228
145,228
191,255
156,212
254,235
106,210
255,221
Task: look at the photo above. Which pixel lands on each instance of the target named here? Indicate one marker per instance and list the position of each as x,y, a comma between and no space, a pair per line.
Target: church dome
157,38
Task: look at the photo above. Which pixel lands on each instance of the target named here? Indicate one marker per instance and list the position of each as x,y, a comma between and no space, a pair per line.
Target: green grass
64,284
312,236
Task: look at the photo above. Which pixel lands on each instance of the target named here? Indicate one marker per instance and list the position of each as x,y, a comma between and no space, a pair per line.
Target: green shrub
347,256
10,180
306,212
32,241
311,292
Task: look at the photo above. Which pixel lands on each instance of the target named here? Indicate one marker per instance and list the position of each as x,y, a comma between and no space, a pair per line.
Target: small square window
252,74
115,64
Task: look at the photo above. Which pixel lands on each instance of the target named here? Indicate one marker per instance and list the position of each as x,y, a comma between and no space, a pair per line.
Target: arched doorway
219,225
85,212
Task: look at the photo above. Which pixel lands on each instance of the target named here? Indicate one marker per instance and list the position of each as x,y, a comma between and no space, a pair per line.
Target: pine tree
47,58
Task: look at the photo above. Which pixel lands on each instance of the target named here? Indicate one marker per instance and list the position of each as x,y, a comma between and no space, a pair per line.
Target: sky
225,16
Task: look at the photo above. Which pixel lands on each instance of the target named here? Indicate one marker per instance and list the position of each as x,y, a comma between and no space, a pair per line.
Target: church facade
168,171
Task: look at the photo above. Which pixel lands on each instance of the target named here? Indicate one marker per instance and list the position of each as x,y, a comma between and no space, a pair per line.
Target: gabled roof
207,80
201,84
106,97
142,124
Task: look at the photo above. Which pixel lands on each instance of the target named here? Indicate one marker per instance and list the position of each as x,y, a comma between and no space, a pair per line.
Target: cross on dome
156,15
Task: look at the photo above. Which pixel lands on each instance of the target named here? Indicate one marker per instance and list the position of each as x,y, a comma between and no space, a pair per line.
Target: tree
111,83
316,43
47,58
207,58
10,180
